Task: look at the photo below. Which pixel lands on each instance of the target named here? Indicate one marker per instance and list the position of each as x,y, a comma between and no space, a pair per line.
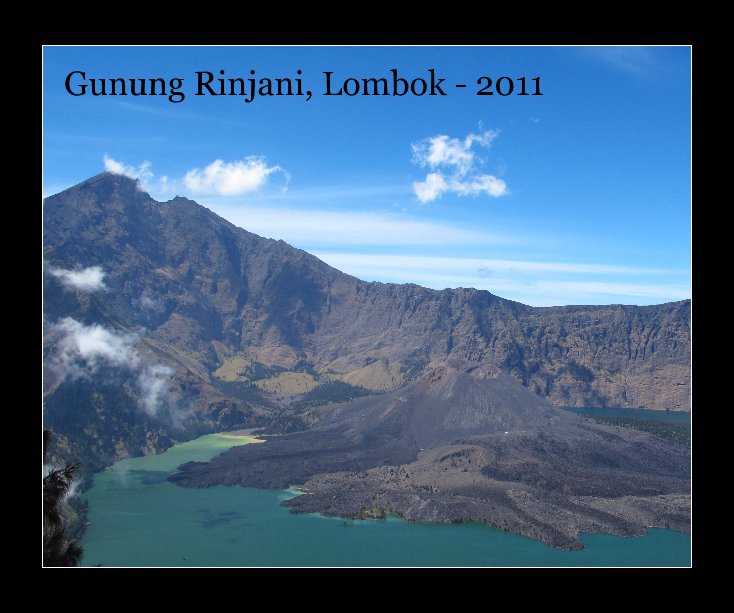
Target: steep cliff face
581,355
229,311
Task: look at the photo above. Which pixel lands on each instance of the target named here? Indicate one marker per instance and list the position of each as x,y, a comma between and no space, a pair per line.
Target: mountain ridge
320,297
249,323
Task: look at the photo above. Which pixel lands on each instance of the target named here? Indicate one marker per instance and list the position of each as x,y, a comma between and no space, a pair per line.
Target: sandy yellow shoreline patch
243,439
201,449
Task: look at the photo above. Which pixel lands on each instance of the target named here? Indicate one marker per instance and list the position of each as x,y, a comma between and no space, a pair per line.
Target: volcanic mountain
466,442
164,321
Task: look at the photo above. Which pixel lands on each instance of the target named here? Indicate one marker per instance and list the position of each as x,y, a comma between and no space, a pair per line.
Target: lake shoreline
137,518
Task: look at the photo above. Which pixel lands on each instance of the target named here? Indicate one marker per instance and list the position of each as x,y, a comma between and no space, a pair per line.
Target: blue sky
579,196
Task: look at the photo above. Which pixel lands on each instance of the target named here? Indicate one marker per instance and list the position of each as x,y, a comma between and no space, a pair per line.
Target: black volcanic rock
467,442
449,403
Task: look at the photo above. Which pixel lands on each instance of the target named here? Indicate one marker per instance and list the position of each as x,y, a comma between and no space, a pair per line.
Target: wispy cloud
81,350
668,291
231,178
104,139
452,163
154,382
164,112
483,265
85,279
160,187
364,194
531,282
313,228
637,61
142,172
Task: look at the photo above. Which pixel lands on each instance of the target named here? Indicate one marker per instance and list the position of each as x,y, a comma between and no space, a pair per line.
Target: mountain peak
105,192
107,181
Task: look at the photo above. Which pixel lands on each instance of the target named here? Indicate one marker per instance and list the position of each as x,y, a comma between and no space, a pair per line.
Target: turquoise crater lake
138,518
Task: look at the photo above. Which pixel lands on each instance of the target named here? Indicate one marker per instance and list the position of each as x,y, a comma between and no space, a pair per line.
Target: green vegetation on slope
675,433
333,391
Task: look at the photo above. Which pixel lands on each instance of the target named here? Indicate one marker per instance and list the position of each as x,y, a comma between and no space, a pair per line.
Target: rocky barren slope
467,442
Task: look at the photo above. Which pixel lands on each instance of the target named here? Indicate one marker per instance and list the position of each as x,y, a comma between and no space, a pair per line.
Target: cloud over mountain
81,350
89,279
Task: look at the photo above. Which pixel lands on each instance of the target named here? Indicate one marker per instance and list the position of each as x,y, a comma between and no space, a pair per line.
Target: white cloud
431,188
487,184
81,350
230,178
142,172
218,178
161,188
453,166
85,279
436,184
153,382
441,150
